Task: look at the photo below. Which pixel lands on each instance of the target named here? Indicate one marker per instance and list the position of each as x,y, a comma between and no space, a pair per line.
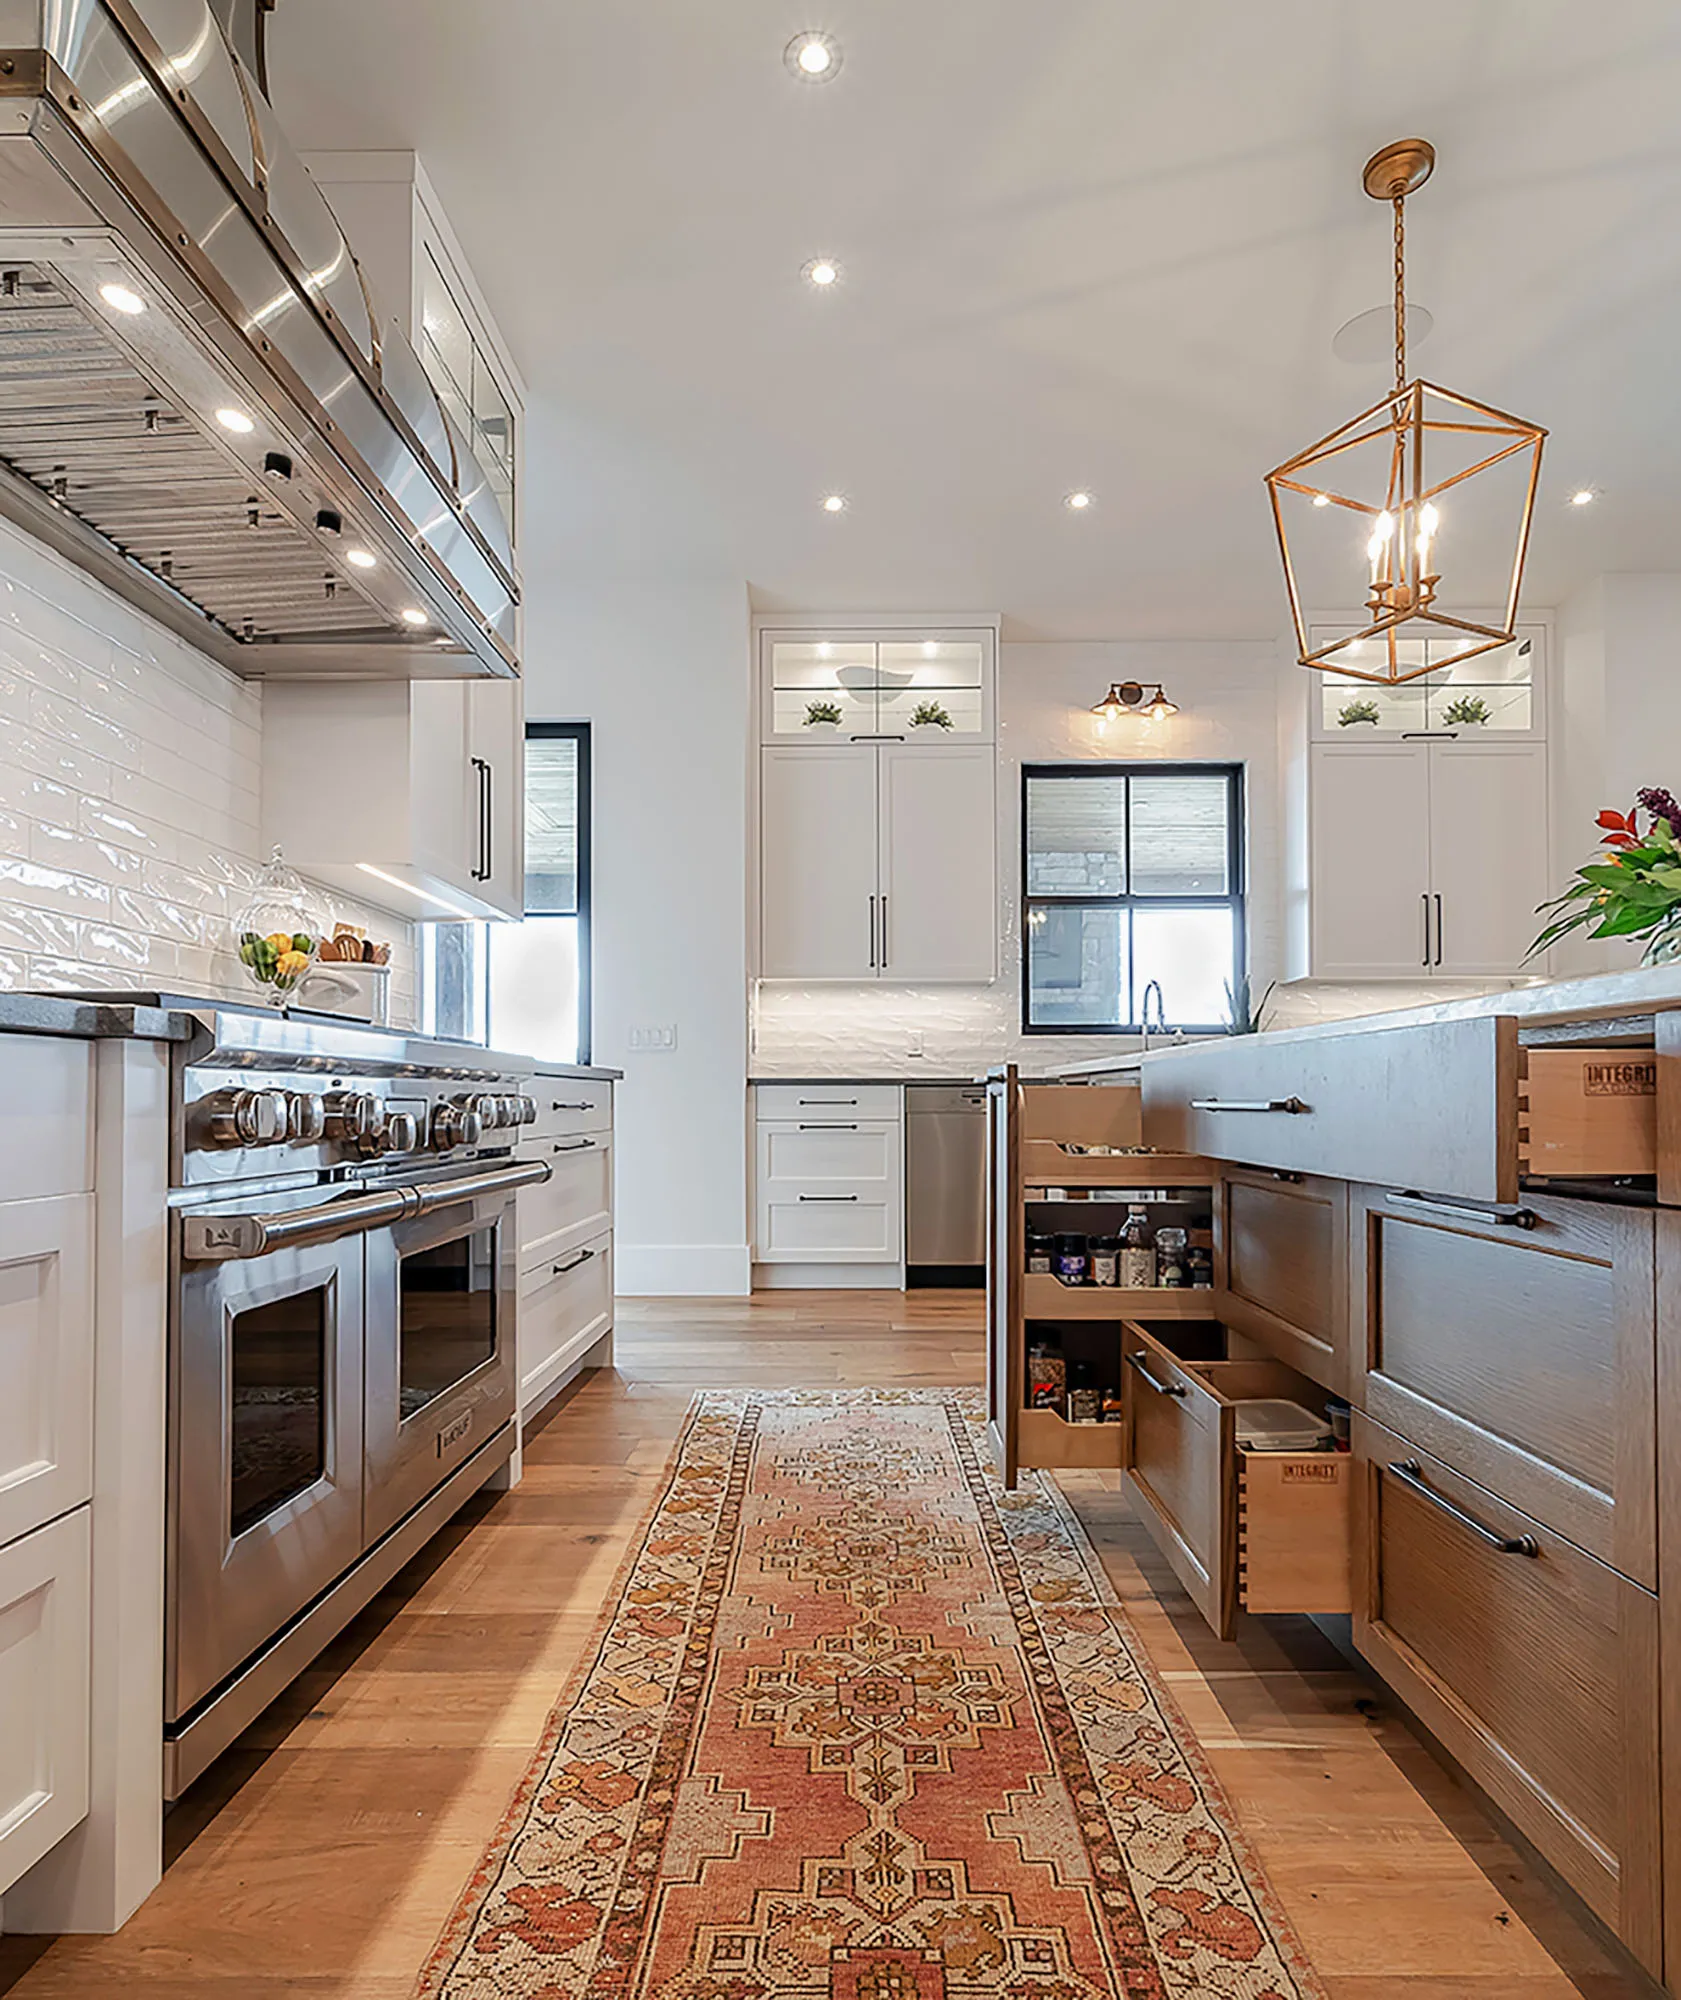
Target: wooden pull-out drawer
1523,1356
1587,1113
1431,1106
1269,1532
1285,1244
1535,1666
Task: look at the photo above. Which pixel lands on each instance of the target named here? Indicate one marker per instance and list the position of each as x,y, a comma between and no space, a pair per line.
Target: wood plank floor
321,1856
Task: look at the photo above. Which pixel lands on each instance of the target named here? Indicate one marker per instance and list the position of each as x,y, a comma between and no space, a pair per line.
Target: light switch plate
647,1041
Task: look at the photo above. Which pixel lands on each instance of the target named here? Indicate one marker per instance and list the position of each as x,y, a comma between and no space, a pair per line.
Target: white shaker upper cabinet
1371,860
819,899
1488,844
939,905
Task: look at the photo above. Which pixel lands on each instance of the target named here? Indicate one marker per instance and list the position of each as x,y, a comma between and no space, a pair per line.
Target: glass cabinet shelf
935,689
1496,694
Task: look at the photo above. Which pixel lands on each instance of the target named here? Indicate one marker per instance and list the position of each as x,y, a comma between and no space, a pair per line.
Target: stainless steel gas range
342,1340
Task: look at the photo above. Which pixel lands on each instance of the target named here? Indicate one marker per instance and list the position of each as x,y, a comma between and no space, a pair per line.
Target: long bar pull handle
826,1103
481,773
1292,1106
1426,959
1465,1211
811,1125
583,1257
884,931
586,1106
872,934
1136,1361
1411,1475
828,1197
1438,927
575,1146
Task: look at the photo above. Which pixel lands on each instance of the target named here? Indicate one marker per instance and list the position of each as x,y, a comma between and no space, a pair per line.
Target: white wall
129,796
1617,723
659,668
1228,695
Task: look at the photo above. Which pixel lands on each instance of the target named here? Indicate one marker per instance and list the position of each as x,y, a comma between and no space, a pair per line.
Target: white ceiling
1098,243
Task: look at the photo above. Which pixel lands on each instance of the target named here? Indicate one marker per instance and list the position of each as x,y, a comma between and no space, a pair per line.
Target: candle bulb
1377,547
1428,522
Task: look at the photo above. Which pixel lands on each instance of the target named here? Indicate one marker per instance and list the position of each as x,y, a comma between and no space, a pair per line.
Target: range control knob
353,1117
306,1117
402,1132
454,1125
248,1117
507,1112
527,1110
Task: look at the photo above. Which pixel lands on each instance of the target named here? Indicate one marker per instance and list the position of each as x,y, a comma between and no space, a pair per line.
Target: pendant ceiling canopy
1421,505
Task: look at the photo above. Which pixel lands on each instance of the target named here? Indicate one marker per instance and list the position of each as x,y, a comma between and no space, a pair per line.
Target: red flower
1623,830
1622,822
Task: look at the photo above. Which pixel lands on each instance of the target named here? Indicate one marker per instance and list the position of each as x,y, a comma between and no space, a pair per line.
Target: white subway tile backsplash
130,773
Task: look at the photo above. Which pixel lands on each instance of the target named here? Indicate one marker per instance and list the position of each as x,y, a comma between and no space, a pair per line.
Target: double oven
343,1371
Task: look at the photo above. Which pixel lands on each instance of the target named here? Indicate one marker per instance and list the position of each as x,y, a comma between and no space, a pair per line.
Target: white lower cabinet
830,1183
564,1309
565,1234
46,1360
45,1689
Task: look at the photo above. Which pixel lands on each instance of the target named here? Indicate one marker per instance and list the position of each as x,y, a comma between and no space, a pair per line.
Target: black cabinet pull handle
571,1107
1428,958
1293,1106
872,934
808,1127
1438,927
828,1197
576,1146
583,1257
482,771
1411,1475
1136,1361
1465,1211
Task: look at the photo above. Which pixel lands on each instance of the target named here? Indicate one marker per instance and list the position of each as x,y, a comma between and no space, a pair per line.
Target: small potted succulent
822,715
1357,711
1470,711
930,715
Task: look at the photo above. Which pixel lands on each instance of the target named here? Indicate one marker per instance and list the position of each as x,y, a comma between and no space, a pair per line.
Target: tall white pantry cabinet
878,832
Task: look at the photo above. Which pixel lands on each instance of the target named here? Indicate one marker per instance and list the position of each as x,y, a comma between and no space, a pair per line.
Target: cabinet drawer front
1287,1269
1431,1107
45,1666
834,1229
1537,1668
1175,1469
1523,1357
567,1104
46,1085
564,1309
46,1360
801,1103
571,1207
829,1158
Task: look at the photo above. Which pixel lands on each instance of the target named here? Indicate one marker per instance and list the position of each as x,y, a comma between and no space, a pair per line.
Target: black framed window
1132,897
526,986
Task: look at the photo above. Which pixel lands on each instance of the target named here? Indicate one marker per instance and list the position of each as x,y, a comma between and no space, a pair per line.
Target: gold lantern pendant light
1440,556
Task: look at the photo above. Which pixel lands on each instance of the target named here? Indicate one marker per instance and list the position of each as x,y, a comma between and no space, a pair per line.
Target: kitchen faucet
1155,987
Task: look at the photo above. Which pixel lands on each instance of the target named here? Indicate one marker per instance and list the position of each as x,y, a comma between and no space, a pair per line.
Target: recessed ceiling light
1584,496
813,56
236,421
1077,503
122,298
361,558
1322,499
834,503
413,615
821,272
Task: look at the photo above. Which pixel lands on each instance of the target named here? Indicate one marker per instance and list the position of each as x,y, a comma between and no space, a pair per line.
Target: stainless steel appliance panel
945,1177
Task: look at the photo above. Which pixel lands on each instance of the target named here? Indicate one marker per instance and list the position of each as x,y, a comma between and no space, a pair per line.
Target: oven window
449,1316
279,1404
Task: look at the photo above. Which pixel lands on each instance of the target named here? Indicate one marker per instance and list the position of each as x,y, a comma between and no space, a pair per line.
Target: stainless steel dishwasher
945,1184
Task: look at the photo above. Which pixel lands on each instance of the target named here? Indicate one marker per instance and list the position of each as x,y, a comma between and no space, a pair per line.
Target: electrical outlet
914,1044
648,1041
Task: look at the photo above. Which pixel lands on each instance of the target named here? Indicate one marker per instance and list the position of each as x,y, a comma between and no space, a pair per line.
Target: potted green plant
930,715
1357,711
822,715
1632,888
1470,711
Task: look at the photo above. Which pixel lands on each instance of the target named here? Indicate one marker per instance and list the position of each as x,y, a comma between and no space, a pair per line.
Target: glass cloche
279,931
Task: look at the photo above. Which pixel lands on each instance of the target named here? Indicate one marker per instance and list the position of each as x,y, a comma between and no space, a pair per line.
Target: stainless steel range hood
199,402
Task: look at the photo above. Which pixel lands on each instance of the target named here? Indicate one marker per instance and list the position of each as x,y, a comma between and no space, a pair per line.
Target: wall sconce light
1128,698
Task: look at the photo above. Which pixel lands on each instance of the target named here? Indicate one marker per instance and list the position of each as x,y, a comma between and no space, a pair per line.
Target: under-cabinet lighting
236,421
413,615
420,895
122,298
360,558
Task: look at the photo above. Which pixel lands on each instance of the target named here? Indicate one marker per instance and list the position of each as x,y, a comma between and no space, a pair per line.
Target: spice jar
1138,1252
1085,1399
1105,1260
1047,1374
1041,1251
1171,1264
1073,1260
1200,1263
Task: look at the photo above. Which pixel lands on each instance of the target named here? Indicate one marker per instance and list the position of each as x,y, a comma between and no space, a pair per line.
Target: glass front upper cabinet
1498,693
460,370
931,687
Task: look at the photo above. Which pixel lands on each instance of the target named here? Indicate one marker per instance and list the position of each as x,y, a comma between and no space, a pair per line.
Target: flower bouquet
1632,888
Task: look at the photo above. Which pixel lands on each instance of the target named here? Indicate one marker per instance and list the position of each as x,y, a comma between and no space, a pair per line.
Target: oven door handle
215,1239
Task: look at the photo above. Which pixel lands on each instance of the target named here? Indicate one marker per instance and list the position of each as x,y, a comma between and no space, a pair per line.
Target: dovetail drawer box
1535,1666
1588,1112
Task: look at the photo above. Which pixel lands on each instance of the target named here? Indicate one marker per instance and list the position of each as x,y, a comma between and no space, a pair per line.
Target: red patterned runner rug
863,1726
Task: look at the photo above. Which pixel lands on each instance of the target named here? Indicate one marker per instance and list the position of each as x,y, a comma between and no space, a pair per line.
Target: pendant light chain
1400,293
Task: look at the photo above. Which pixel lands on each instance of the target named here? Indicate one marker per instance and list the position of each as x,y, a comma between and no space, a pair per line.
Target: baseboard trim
828,1277
682,1270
